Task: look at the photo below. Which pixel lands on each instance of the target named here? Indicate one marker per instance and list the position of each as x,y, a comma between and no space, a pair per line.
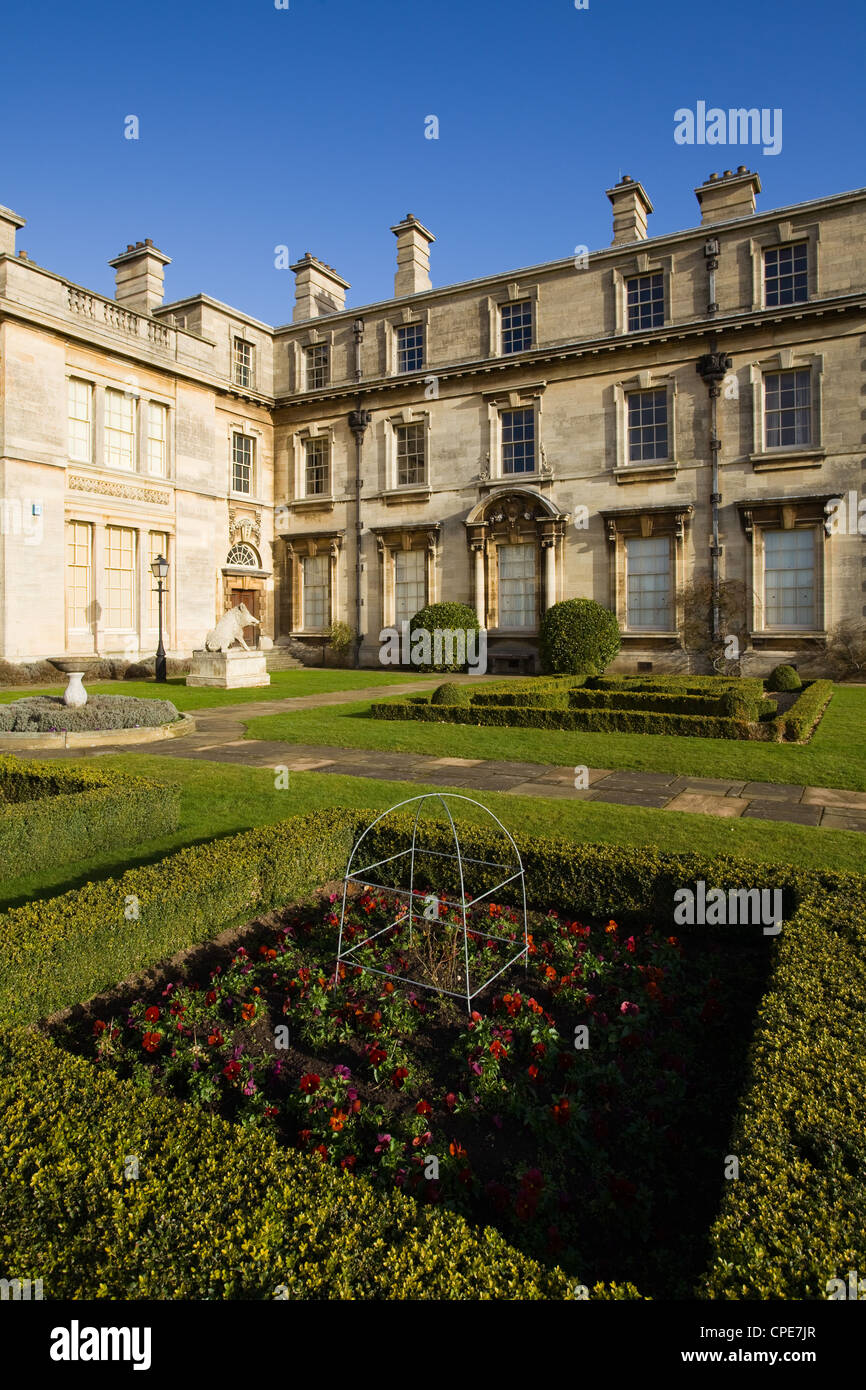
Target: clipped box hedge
59,952
51,814
519,699
217,1212
794,1218
805,713
751,686
224,1213
601,721
665,702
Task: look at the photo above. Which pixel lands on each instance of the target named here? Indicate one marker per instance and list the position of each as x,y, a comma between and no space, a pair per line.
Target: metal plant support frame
359,876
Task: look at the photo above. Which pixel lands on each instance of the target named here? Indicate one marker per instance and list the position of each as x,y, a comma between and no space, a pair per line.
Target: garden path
219,737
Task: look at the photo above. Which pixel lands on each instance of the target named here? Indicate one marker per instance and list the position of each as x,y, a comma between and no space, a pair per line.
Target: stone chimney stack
631,205
413,257
140,277
728,195
318,289
9,224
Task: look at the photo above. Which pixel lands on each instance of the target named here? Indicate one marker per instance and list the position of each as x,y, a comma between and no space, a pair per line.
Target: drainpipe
359,419
712,368
711,252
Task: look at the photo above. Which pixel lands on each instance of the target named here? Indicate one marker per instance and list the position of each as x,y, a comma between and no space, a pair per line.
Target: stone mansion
506,442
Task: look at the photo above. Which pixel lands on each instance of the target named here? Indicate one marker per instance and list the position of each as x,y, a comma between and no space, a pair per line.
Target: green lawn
221,800
836,756
284,684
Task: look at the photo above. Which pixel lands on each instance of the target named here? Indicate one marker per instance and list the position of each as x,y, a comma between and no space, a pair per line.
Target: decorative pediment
244,528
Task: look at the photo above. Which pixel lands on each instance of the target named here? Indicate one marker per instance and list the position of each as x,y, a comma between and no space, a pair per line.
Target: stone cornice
684,331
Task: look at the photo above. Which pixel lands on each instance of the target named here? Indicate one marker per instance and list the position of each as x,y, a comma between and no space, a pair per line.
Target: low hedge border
54,815
806,712
60,952
793,1220
519,699
666,702
211,1216
751,686
216,1212
602,721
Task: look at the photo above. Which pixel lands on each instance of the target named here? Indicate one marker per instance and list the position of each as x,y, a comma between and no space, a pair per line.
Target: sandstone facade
522,438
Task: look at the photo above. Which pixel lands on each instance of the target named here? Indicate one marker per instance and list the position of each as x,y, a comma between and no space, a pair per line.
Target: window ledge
417,492
654,634
501,480
646,472
788,458
312,504
789,635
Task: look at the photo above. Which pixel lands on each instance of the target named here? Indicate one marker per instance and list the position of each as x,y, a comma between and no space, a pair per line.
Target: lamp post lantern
159,567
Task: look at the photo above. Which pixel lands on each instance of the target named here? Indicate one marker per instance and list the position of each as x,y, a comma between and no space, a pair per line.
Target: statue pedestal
229,670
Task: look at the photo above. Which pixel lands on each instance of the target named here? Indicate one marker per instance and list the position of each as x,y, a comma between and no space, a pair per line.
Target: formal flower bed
583,1107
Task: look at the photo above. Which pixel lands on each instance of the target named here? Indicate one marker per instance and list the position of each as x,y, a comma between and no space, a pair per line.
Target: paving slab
838,820
721,786
835,796
783,811
655,800
773,791
554,791
565,775
457,762
636,781
708,804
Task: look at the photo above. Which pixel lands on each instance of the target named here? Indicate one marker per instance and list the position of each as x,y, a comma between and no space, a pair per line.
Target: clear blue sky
305,127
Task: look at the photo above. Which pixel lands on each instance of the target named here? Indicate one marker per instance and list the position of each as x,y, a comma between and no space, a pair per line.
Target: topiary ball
450,639
578,637
450,694
783,678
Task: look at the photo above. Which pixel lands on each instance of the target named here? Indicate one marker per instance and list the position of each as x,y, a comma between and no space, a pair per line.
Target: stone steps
277,660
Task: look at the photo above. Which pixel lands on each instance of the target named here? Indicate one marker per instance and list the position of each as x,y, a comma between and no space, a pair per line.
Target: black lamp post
159,566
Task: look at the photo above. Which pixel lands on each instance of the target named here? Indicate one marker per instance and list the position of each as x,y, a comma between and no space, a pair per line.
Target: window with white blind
410,584
157,542
79,575
316,591
790,579
517,586
119,592
80,398
119,430
157,439
648,584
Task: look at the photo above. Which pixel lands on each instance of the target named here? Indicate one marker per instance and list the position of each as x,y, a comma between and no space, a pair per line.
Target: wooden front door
249,597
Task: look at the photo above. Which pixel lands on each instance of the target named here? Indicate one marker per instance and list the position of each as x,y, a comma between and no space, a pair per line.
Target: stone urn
75,668
75,695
